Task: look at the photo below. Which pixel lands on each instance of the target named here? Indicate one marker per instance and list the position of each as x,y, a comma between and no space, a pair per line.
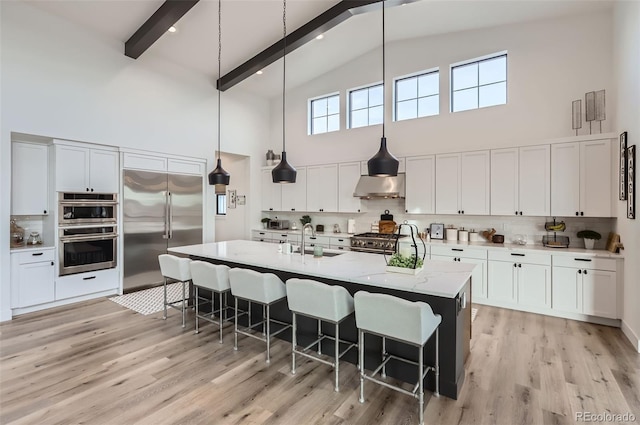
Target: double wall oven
87,232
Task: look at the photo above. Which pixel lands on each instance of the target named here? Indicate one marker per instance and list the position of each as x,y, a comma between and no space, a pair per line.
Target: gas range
379,243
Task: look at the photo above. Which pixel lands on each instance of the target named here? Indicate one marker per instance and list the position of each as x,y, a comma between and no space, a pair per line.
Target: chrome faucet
313,233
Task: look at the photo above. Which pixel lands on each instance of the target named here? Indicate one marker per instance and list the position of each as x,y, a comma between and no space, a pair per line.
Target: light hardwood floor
99,363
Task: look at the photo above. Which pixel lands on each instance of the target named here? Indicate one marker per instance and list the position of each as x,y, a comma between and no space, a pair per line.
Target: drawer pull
583,259
517,255
457,249
88,278
37,254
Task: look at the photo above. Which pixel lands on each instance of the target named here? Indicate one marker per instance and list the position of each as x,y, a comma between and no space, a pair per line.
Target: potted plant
265,222
399,263
304,220
590,237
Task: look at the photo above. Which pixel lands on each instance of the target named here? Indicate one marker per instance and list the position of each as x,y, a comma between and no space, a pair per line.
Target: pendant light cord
284,68
383,73
219,67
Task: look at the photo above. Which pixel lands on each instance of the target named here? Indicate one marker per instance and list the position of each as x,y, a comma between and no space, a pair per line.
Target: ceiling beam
167,15
309,31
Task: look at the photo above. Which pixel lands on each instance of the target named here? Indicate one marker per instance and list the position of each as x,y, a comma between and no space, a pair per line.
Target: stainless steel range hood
380,187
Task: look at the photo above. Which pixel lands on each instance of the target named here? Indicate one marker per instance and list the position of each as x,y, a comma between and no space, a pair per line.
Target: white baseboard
5,315
633,338
23,310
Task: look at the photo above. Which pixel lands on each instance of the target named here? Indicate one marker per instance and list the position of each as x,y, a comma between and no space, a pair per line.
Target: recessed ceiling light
172,29
320,37
259,72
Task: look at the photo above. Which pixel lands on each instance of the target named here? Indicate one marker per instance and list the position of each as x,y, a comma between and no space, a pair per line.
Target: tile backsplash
509,226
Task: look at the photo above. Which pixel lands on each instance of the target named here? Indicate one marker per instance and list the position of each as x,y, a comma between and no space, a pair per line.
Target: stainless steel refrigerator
159,211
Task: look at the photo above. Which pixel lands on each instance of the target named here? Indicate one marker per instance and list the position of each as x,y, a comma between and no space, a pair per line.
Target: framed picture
436,230
623,166
631,181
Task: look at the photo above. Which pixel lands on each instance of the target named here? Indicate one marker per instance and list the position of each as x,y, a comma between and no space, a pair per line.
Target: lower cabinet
520,279
32,278
467,255
80,284
586,291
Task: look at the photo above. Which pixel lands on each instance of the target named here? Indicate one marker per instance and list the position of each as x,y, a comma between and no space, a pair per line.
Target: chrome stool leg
361,355
294,341
184,307
437,393
337,353
268,337
319,337
235,332
164,316
219,314
421,384
384,355
197,311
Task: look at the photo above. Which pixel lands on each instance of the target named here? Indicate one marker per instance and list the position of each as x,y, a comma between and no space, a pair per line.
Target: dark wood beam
167,15
318,25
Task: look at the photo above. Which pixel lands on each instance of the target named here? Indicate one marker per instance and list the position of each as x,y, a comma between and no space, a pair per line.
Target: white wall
627,69
550,64
235,224
60,81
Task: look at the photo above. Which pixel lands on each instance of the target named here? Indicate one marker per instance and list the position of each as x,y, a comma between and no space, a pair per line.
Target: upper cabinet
29,177
581,179
348,176
294,195
84,169
271,192
421,185
520,181
463,183
322,188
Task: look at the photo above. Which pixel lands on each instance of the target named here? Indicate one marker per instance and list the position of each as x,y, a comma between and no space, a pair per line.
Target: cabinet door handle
457,249
583,259
520,212
515,265
88,190
92,189
52,263
45,211
517,255
88,278
458,211
577,213
581,213
585,272
579,271
519,265
36,254
293,209
516,212
462,211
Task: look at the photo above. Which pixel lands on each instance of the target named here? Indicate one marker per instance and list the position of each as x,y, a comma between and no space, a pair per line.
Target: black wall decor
631,182
623,167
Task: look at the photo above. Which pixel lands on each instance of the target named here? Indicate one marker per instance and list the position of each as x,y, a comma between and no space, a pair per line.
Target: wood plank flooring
99,363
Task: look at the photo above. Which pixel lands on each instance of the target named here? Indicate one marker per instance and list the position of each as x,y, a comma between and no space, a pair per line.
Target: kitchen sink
324,253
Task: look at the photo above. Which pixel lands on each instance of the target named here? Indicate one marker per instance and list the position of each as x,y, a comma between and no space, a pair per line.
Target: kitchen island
445,286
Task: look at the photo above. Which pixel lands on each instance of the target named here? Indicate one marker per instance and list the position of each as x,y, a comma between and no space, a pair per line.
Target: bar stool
215,278
262,288
175,269
323,302
410,322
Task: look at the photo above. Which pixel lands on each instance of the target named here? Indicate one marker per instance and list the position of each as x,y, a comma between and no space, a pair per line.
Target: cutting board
387,226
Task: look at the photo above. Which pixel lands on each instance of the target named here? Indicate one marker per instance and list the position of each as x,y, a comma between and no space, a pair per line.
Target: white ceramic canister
474,236
463,235
451,234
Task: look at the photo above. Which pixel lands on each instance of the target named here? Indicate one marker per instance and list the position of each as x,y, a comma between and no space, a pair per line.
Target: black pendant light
383,163
284,172
219,176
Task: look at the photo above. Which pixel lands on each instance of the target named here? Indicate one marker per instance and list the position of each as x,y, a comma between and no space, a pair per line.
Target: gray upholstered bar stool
261,288
410,322
328,303
175,269
215,278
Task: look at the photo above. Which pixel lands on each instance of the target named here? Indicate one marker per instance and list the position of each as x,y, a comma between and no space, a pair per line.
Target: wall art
631,182
623,167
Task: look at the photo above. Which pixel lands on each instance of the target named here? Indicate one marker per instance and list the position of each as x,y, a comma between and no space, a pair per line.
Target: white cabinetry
348,176
463,183
29,179
467,255
80,284
32,277
581,179
585,285
294,195
271,192
84,169
421,185
522,279
520,181
322,188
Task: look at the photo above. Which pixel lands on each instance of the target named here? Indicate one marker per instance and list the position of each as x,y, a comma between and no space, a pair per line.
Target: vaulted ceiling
250,26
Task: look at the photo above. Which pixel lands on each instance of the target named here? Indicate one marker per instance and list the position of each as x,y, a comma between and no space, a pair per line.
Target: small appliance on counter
351,226
320,228
279,224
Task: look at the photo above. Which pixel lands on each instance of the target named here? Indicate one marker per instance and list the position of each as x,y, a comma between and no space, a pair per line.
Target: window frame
310,113
224,203
477,87
348,102
414,75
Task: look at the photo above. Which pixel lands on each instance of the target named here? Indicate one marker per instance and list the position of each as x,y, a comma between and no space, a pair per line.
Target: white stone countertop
30,248
511,247
439,278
